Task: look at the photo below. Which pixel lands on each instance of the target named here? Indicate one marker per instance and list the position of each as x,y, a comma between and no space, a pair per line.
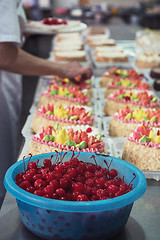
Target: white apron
12,20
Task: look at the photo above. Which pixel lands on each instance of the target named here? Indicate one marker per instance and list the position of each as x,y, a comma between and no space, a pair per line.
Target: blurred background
146,13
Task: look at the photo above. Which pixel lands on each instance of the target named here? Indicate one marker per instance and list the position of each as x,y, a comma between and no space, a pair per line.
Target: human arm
16,60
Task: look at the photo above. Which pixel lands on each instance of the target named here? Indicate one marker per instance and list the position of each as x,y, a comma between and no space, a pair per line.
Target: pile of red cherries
74,180
54,21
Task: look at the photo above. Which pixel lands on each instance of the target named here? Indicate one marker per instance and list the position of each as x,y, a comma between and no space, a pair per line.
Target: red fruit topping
24,185
88,130
54,183
39,183
90,182
19,176
113,173
82,197
39,192
127,98
113,189
77,187
49,190
60,192
47,163
32,165
30,189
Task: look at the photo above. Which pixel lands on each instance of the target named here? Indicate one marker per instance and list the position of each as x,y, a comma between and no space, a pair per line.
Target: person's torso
10,83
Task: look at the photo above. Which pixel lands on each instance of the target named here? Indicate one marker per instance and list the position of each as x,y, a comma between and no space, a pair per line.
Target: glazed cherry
112,189
88,174
87,190
101,193
19,176
77,187
49,176
113,173
100,182
63,182
37,176
90,182
99,173
24,185
60,192
47,162
59,169
81,167
39,183
72,172
30,189
49,190
82,197
39,192
32,165
54,183
90,167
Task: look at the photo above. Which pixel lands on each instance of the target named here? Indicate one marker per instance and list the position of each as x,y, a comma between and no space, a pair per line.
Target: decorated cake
142,148
68,42
66,82
62,115
148,60
100,40
73,95
126,84
51,25
126,120
133,99
72,55
115,48
111,57
75,36
111,73
84,138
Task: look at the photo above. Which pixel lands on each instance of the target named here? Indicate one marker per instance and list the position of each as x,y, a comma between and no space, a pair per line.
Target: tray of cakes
113,56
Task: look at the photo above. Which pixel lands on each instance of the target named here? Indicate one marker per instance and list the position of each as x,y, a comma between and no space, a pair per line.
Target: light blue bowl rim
73,206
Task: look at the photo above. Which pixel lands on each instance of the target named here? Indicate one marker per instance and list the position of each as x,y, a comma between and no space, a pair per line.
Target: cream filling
71,54
109,49
153,58
111,54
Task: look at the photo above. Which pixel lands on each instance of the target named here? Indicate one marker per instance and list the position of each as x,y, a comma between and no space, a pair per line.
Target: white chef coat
12,20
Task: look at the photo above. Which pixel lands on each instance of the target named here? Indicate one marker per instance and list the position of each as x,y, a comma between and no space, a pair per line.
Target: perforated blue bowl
58,219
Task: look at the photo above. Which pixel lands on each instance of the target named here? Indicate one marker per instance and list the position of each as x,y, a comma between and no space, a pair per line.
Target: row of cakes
104,49
64,119
69,47
135,115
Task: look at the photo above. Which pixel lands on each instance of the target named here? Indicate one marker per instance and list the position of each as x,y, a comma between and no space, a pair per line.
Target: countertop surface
143,223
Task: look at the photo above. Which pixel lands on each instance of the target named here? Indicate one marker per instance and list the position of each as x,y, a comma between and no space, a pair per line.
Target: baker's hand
76,72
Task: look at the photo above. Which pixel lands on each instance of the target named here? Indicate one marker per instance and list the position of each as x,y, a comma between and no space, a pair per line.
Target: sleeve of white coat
9,23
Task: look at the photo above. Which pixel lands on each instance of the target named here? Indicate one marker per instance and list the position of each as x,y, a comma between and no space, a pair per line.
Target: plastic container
58,219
